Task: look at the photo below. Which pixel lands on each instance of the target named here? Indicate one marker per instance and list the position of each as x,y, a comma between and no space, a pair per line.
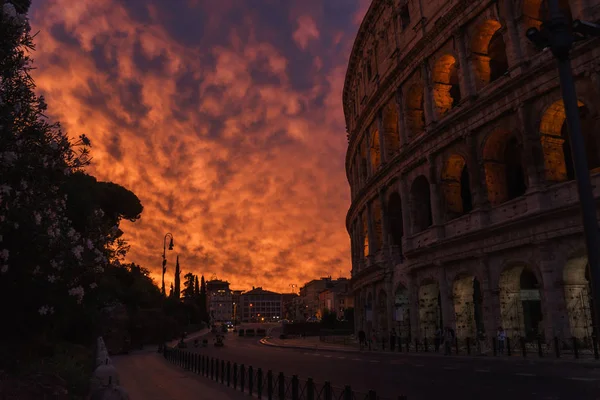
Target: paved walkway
146,375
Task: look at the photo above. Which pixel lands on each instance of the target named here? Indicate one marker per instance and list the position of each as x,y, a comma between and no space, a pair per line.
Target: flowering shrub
48,269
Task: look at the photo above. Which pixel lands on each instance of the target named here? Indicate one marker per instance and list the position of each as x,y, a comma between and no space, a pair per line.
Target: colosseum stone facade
464,209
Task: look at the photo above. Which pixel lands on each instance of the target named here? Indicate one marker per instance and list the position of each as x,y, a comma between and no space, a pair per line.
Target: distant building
287,305
220,300
309,296
236,299
258,305
337,298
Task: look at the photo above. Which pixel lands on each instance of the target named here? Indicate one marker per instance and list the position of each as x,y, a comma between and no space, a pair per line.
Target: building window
404,17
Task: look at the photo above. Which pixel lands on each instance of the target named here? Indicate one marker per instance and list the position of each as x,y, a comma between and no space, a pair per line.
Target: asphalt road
419,377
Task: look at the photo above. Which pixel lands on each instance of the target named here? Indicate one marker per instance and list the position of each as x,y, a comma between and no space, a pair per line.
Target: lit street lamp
164,257
556,35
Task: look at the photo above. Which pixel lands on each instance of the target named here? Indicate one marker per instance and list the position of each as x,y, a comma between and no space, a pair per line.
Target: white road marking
341,358
583,379
327,356
356,359
450,368
524,374
374,361
418,365
482,370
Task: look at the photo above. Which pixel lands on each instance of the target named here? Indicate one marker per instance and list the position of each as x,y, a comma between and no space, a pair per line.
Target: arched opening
456,186
391,131
365,226
402,312
415,114
489,53
446,90
375,150
364,169
396,223
430,309
520,303
555,139
420,204
468,307
382,313
377,226
504,172
576,276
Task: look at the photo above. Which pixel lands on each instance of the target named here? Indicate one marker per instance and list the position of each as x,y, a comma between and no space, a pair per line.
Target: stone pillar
375,308
532,157
490,292
361,228
554,306
405,200
382,143
367,140
448,314
401,118
413,295
436,205
371,230
476,173
428,107
467,86
390,302
384,221
510,33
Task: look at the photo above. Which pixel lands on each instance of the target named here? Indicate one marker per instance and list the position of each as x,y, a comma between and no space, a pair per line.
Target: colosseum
464,210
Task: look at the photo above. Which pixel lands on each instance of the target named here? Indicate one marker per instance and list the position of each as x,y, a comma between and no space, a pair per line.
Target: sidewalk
314,343
146,375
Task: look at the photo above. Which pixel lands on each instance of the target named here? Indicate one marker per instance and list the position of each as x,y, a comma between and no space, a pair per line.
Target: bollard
222,371
372,395
456,345
259,383
228,373
212,368
281,386
595,342
416,345
217,370
270,385
242,378
556,347
523,347
407,345
207,366
495,346
399,344
575,348
347,392
469,346
310,389
508,351
295,388
327,391
250,380
235,375
539,344
425,345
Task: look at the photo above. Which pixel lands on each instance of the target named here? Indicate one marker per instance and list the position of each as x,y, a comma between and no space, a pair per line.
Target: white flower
5,189
51,278
67,171
1,238
4,269
77,292
44,310
53,264
77,250
51,233
93,285
89,244
36,270
5,253
71,233
23,184
38,218
9,11
16,225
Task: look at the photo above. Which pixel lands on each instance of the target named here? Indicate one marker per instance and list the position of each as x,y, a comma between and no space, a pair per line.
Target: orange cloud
233,140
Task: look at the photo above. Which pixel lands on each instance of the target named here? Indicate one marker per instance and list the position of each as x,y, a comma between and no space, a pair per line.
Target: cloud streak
225,121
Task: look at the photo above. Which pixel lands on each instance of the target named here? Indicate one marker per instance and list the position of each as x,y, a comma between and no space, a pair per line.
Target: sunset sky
223,116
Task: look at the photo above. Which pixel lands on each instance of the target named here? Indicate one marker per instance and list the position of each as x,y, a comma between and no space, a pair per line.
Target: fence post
523,347
425,344
495,346
222,371
372,395
259,383
281,386
228,373
242,377
250,380
556,347
310,389
469,346
269,385
295,392
575,348
407,345
217,370
416,345
347,392
508,352
399,344
235,375
539,344
212,368
456,345
327,391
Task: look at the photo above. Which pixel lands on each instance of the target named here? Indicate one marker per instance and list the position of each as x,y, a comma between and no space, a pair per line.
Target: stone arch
446,85
489,53
364,170
391,130
420,204
415,110
467,300
365,232
430,309
555,139
375,150
382,312
402,311
504,171
376,217
578,298
520,302
395,217
456,186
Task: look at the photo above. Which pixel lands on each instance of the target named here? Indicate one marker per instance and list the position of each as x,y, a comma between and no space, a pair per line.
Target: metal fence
264,384
517,346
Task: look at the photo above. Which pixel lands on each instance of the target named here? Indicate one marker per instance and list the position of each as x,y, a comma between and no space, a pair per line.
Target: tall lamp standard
164,257
556,35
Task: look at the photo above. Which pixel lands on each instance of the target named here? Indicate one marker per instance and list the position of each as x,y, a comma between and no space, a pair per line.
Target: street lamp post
556,35
164,259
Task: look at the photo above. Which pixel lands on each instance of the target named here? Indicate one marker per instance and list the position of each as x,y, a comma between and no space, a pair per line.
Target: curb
583,363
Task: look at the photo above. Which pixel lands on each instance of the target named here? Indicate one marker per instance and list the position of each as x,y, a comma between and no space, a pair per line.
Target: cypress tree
177,291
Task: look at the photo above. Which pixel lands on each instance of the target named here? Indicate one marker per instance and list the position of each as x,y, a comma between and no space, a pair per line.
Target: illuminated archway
364,169
415,114
456,186
554,136
489,53
365,226
467,299
420,204
446,88
504,172
430,309
375,150
576,276
402,311
390,129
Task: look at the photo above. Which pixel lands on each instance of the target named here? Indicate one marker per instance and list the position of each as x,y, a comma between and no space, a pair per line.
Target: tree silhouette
196,288
177,292
189,287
